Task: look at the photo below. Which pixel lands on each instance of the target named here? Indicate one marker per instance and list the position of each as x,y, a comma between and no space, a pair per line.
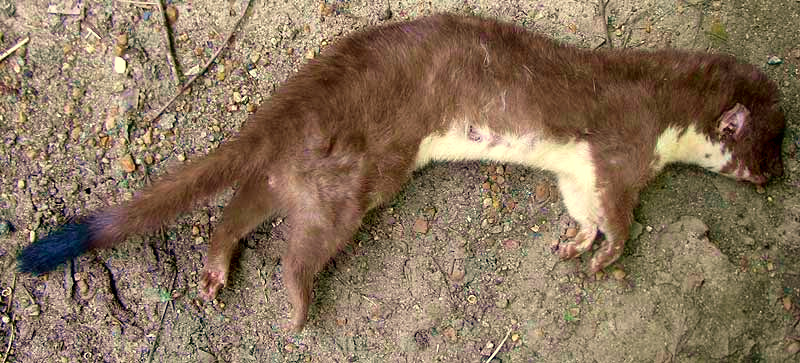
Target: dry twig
501,344
11,323
205,67
170,59
14,48
140,3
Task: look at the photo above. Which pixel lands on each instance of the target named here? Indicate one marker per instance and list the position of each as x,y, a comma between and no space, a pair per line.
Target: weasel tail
161,202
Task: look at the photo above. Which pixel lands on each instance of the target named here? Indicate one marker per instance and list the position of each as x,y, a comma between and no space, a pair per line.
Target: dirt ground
454,268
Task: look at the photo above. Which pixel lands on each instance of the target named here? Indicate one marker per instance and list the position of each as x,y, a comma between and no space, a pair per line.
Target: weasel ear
733,121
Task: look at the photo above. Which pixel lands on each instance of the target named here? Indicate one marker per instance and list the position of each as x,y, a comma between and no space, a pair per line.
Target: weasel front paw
210,283
581,243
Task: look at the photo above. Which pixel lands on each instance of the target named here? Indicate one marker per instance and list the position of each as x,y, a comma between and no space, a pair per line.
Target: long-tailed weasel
344,134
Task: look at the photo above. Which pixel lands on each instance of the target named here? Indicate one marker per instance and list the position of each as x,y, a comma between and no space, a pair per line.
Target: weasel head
753,136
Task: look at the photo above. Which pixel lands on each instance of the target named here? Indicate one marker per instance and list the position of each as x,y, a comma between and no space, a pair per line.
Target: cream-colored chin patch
690,147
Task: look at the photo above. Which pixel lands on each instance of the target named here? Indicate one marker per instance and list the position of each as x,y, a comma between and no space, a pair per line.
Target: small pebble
6,319
120,65
83,287
774,60
21,184
787,303
421,226
500,170
32,236
127,164
172,13
450,334
472,299
122,39
618,274
793,348
514,337
5,227
571,232
542,192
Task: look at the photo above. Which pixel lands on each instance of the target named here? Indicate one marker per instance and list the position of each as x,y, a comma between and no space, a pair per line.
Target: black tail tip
62,245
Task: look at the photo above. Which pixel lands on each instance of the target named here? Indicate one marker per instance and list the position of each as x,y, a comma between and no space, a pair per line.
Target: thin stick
168,39
14,48
10,340
499,346
603,4
11,325
147,3
205,67
163,314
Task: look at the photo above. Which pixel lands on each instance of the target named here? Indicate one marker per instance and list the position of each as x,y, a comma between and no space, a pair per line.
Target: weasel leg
581,201
618,203
249,207
318,233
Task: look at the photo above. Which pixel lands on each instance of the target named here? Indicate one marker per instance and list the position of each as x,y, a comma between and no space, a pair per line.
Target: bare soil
456,266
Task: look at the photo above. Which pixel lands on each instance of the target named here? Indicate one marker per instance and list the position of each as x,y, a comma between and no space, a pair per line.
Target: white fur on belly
570,161
691,147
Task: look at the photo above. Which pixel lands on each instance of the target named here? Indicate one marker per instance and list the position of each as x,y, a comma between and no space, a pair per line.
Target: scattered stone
120,65
500,170
195,70
6,319
618,274
458,271
774,60
21,184
251,107
126,163
290,347
514,337
488,349
421,226
542,193
450,334
167,121
83,287
172,13
311,53
487,202
472,299
787,303
511,244
571,232
385,14
32,310
5,227
220,72
32,236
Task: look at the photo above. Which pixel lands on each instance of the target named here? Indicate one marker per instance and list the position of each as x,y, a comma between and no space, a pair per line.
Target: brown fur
342,135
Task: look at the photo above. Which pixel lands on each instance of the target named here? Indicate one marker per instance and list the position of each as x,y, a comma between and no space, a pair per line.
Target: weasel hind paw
607,254
210,283
581,243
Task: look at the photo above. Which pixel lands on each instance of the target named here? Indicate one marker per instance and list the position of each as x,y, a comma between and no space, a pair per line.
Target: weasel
344,134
